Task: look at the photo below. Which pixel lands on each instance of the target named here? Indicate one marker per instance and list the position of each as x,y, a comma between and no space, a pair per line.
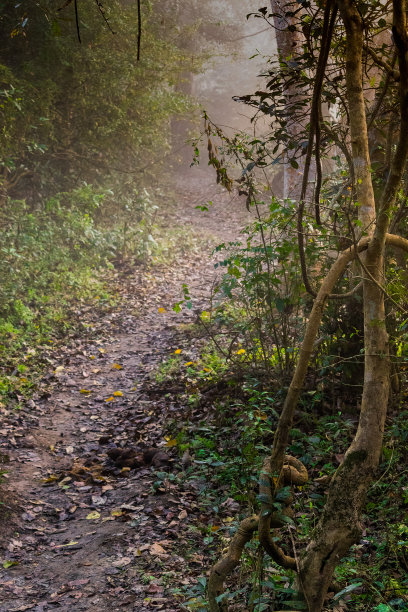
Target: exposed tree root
227,564
293,472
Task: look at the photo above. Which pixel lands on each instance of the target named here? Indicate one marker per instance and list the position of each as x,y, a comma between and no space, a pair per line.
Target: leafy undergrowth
224,432
66,260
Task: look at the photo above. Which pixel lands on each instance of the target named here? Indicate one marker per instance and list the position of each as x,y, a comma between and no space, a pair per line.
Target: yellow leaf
85,391
110,399
177,351
51,478
161,309
118,393
206,370
52,447
93,515
71,543
92,357
125,469
116,513
102,350
215,527
189,363
241,352
23,380
171,442
117,366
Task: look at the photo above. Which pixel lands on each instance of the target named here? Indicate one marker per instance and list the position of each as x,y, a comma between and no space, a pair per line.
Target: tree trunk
289,43
339,526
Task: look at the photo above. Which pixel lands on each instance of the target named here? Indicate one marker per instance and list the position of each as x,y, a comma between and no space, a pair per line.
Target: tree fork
229,562
339,525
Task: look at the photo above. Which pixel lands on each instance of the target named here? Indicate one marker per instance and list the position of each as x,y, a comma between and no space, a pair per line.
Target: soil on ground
87,522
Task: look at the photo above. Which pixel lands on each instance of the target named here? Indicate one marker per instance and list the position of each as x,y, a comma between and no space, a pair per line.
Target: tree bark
339,526
289,40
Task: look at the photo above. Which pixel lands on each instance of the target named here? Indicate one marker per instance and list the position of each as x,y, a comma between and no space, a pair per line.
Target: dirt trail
132,554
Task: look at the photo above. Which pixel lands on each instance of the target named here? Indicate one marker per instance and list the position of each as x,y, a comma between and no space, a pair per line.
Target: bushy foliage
51,257
88,110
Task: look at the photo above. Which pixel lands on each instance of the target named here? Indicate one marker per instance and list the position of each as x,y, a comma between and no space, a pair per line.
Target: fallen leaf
122,562
93,515
170,442
156,549
241,351
98,500
118,393
110,399
161,309
260,415
7,564
80,582
71,543
182,515
85,391
177,351
117,366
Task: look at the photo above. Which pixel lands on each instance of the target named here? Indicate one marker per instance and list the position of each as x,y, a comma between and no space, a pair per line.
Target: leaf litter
87,525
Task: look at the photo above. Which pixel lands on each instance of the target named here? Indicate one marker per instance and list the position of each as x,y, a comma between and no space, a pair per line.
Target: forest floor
87,522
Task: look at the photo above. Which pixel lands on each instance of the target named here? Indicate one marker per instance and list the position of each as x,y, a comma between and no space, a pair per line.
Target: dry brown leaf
156,549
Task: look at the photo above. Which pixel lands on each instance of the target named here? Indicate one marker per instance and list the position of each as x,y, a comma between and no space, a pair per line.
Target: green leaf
265,499
280,304
283,494
348,589
7,564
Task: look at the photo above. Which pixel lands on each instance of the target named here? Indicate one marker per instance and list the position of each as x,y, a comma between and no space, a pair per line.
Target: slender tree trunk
339,526
289,43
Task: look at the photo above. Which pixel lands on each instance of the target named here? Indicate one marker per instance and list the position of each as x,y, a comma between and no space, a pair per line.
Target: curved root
293,472
227,564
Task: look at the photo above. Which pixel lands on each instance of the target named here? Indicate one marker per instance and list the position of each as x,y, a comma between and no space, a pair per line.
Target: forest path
88,531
